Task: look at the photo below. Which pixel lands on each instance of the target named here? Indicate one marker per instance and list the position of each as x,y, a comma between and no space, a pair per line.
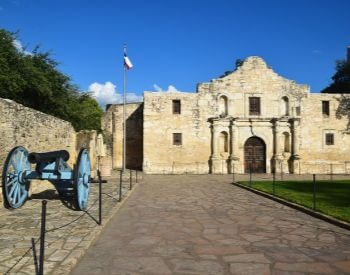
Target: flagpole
124,115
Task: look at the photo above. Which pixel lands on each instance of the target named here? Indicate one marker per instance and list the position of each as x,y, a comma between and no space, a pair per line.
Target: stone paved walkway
205,225
69,232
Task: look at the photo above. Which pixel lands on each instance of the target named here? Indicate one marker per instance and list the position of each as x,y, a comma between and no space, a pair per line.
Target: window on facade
177,139
325,108
297,110
285,106
176,107
329,139
254,106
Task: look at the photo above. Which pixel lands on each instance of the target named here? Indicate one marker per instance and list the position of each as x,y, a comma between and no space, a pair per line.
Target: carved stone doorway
255,155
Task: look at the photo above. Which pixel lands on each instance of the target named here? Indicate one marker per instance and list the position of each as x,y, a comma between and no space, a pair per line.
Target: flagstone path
205,225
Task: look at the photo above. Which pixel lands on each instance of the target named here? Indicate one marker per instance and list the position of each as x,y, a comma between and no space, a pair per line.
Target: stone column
295,137
295,146
215,159
234,148
215,139
277,150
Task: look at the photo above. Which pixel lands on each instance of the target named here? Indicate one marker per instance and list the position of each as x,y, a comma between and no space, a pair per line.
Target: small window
325,108
254,106
176,107
297,110
329,139
177,139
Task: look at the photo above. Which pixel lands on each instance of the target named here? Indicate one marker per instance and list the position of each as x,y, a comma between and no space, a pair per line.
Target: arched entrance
255,155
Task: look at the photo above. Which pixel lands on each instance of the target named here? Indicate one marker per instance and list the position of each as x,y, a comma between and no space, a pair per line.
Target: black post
273,182
314,195
42,237
120,185
130,180
99,197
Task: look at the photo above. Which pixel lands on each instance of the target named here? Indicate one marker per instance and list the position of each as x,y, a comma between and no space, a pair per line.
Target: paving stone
247,258
249,269
320,268
204,225
17,227
184,266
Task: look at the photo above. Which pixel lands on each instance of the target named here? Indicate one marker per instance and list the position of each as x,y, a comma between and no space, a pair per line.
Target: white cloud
316,52
171,89
18,45
157,88
107,94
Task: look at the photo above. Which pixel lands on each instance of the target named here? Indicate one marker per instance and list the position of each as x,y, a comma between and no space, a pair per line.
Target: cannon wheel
14,187
82,178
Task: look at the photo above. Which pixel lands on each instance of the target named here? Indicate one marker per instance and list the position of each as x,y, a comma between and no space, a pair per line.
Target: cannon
51,166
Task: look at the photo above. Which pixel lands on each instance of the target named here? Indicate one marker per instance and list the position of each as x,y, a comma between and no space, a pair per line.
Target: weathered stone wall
316,156
36,131
221,107
39,132
112,124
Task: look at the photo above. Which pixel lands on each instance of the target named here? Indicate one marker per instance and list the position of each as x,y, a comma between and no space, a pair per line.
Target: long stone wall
40,132
34,130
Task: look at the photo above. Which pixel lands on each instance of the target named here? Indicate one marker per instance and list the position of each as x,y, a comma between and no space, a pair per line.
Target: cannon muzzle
48,156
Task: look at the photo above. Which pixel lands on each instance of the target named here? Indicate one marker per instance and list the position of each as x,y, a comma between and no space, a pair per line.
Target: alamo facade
249,120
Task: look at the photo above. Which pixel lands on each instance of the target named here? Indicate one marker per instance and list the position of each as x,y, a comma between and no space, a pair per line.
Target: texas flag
127,62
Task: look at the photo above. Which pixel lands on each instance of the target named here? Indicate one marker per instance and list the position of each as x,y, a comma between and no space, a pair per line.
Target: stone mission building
249,120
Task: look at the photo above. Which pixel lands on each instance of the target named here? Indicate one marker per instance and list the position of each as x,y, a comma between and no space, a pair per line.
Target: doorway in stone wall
255,155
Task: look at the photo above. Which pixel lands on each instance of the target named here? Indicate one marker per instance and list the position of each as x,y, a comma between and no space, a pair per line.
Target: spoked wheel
14,186
82,178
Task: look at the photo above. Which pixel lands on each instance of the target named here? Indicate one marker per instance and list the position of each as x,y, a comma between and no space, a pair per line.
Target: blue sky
181,43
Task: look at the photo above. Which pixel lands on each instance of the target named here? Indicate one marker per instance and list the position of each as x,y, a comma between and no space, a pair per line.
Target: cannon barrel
48,156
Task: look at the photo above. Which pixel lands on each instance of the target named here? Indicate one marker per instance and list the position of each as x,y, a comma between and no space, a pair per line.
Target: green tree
341,79
35,81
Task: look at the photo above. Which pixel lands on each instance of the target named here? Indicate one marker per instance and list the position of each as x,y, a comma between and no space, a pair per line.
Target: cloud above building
107,94
171,88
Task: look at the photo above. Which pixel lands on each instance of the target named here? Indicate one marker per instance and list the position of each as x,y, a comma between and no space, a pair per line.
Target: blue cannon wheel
82,179
14,186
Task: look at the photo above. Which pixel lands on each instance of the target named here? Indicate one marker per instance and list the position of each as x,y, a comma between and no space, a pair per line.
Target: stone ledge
298,207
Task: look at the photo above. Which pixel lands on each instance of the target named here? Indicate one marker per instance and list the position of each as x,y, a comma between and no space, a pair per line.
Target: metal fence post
42,237
314,193
273,182
130,180
99,197
120,185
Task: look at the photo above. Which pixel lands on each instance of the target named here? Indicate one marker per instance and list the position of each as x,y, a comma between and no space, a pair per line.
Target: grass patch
332,197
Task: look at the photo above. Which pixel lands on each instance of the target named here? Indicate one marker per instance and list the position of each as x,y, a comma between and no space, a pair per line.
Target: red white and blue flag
127,62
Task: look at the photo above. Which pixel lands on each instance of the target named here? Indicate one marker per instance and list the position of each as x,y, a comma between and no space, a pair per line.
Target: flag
127,62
